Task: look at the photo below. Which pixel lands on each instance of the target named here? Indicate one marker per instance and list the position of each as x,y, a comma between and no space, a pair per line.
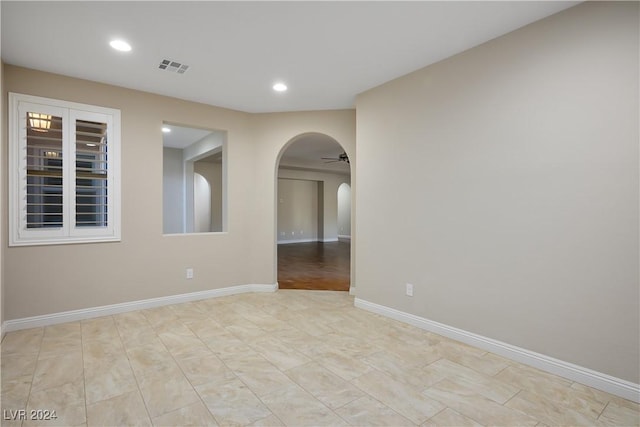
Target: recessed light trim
280,87
120,45
166,129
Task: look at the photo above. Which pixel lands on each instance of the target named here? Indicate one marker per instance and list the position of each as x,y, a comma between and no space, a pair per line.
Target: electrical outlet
189,273
409,290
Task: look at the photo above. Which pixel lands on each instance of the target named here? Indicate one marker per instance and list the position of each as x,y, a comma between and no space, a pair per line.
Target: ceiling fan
341,158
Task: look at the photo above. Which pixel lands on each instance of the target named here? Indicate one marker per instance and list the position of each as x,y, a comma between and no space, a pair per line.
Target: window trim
19,235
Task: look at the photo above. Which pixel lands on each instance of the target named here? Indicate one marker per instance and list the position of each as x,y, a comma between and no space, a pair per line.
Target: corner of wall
3,144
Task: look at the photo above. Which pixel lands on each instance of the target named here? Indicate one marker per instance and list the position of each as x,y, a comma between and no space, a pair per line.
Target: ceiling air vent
173,66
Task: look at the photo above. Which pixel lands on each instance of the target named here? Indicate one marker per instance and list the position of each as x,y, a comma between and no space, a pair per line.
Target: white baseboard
286,242
586,376
352,290
344,237
107,310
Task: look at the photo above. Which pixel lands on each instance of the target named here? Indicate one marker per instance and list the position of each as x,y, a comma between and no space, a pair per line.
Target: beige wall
48,279
212,171
298,210
3,137
344,210
512,184
173,197
274,131
328,204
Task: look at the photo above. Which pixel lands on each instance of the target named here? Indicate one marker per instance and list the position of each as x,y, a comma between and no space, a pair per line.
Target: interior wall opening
312,251
194,177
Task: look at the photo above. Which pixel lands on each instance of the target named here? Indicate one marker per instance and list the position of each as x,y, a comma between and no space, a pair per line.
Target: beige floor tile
616,415
58,406
306,354
22,342
270,421
57,346
132,338
208,369
325,386
232,403
265,321
149,360
589,393
343,366
484,385
572,399
205,328
124,410
195,414
161,318
366,411
63,330
225,315
152,376
97,349
18,365
278,353
99,329
450,418
400,369
131,319
350,346
246,331
306,323
184,345
487,363
399,396
168,394
189,312
109,378
302,342
534,380
450,349
475,406
549,411
251,361
15,393
296,407
265,381
420,356
56,371
227,347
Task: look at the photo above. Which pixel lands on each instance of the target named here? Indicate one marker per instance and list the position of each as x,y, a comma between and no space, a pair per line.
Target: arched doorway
310,255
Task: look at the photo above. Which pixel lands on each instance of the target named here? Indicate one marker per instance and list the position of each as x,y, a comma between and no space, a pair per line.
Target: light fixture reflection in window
39,122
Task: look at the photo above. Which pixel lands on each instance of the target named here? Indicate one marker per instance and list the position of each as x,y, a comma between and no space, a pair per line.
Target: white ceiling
181,136
307,152
326,52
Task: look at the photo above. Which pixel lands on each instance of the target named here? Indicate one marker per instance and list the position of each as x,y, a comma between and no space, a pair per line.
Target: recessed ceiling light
120,45
166,129
90,144
280,87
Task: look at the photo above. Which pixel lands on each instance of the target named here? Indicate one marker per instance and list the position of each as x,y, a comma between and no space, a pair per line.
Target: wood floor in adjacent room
314,266
292,358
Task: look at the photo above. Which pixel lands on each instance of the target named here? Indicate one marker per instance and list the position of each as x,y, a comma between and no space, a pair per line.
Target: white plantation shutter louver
64,172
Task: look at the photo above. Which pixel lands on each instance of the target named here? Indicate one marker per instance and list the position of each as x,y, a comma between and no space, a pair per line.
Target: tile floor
291,358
